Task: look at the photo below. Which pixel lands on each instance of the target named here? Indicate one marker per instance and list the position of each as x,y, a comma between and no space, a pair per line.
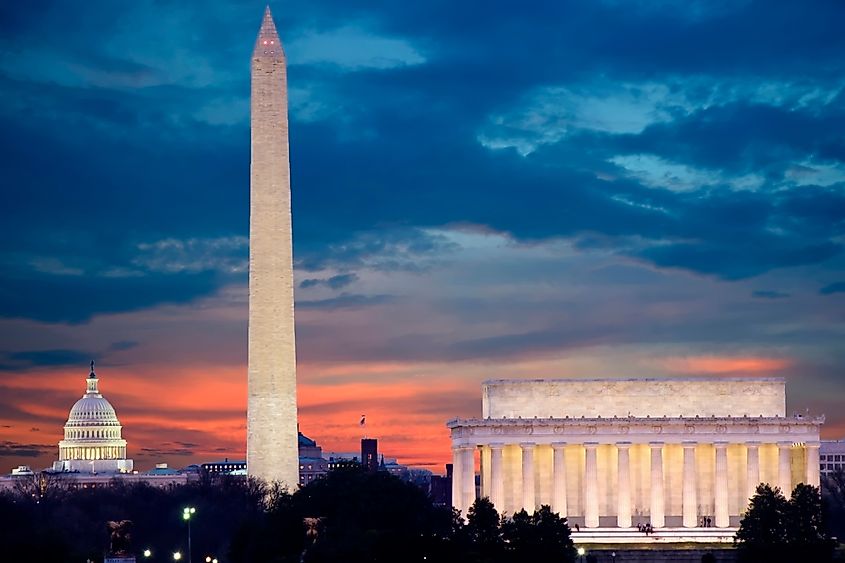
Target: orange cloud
198,413
723,365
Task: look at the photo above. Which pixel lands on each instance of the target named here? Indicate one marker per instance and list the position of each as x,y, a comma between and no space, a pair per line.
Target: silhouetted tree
518,533
762,531
833,501
373,517
484,529
543,535
553,535
776,530
806,532
350,516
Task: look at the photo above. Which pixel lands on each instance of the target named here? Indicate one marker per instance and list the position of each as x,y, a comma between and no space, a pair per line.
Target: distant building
340,461
225,467
831,456
93,441
369,454
441,488
161,476
311,463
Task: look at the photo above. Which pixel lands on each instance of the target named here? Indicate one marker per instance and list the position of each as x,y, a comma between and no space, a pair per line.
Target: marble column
623,487
722,512
559,479
690,496
497,478
468,477
752,454
591,486
529,501
658,502
812,461
457,497
785,468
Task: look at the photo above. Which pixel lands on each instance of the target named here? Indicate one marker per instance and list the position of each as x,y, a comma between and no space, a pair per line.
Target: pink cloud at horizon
199,413
715,365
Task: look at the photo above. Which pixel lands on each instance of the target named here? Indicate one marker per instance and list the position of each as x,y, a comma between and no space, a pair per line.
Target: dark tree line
349,516
44,520
543,535
777,530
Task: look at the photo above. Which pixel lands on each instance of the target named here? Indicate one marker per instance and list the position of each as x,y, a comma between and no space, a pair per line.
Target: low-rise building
832,456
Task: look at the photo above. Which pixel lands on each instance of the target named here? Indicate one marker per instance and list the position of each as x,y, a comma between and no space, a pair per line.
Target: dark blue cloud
108,144
10,448
334,282
769,294
345,301
51,357
837,287
76,299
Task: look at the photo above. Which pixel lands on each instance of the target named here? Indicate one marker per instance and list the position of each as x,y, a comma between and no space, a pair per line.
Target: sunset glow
595,189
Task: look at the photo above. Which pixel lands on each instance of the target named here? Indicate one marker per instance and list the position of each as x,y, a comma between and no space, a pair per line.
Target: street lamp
177,556
581,552
187,512
147,552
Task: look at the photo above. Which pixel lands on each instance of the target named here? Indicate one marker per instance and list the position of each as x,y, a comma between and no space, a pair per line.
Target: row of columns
86,434
94,453
464,479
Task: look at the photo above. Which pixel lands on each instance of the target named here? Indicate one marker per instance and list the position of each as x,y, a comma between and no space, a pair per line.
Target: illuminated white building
679,454
93,441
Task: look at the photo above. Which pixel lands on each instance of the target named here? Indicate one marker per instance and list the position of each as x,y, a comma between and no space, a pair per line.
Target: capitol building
93,441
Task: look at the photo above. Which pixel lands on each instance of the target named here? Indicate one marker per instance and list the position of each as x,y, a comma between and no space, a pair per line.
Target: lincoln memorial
610,454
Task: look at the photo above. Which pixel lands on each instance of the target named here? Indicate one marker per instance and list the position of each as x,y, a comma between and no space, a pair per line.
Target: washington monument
271,443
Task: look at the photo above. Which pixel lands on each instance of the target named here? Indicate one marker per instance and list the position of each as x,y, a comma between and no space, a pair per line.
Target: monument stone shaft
271,420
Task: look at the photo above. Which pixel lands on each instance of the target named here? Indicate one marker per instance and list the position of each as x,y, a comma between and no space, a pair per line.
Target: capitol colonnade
619,471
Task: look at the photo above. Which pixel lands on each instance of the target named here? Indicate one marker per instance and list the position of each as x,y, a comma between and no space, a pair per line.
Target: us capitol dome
93,442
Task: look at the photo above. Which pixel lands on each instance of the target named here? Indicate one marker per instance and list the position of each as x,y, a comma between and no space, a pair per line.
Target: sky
481,190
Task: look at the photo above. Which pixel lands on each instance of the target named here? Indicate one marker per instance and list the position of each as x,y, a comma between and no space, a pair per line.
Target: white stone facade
271,404
592,398
689,450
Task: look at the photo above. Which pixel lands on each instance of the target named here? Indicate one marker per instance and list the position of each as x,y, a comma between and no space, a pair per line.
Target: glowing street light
147,552
177,556
581,552
187,512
